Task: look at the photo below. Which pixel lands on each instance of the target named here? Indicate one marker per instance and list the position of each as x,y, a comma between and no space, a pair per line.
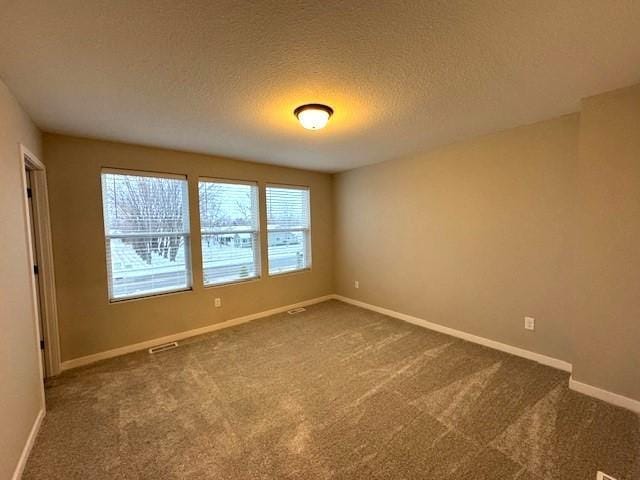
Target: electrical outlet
529,323
356,284
217,302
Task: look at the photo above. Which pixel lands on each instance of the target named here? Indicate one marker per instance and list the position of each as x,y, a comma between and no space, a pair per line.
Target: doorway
41,255
35,255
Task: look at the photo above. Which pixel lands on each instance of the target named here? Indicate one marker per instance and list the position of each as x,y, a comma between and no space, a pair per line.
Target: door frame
46,275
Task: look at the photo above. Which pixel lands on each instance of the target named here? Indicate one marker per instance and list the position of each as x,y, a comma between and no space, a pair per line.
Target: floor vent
293,311
604,476
162,348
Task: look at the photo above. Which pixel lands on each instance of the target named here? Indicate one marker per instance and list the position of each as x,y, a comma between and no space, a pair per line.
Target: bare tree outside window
147,225
230,224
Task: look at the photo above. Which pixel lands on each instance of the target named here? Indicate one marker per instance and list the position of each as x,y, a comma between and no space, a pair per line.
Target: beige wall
472,236
20,382
541,220
88,322
606,327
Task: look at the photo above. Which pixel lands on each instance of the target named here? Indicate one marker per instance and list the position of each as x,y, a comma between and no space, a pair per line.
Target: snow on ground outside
125,262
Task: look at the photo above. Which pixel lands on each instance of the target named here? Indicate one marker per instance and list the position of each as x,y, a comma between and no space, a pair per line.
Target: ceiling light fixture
313,116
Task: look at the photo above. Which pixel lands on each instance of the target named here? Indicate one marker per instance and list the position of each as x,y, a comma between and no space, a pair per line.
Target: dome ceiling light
313,116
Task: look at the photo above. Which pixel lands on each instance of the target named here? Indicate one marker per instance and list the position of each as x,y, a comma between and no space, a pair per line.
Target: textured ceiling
223,77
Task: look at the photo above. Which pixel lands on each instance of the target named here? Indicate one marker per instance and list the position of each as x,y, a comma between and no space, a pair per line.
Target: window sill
290,272
115,301
234,282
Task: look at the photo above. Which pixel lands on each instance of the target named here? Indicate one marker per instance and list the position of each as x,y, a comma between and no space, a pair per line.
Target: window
146,222
288,229
230,229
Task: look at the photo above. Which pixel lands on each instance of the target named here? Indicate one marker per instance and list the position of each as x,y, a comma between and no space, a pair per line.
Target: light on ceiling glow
313,116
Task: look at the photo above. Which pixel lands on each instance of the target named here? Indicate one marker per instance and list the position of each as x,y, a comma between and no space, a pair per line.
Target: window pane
140,266
229,257
147,234
144,204
288,225
229,223
287,251
287,208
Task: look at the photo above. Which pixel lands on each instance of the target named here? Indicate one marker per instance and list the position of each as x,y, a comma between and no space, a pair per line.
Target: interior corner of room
521,240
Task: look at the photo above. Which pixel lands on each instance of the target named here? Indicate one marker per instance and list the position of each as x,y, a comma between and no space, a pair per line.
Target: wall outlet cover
217,302
529,323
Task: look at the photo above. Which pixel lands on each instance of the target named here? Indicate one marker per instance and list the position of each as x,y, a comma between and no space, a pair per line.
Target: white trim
227,232
603,476
143,173
503,347
118,236
609,397
306,231
22,461
291,186
605,395
46,277
78,362
26,159
184,233
231,181
34,162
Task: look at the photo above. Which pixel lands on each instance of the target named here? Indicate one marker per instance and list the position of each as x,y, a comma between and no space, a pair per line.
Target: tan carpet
336,392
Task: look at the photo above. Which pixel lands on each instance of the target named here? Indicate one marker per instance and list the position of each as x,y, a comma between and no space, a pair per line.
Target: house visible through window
288,229
146,219
230,229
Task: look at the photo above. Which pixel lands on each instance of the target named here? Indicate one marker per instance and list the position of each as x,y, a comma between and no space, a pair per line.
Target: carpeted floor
336,392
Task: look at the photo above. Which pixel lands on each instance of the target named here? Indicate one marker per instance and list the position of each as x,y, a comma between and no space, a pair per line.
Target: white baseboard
22,462
81,361
609,397
503,347
605,395
600,394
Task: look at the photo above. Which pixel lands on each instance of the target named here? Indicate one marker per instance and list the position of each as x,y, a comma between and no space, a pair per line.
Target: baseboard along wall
605,395
116,352
503,347
610,397
26,450
586,389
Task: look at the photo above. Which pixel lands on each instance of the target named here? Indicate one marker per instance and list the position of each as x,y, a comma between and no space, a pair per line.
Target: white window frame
257,258
185,234
306,231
